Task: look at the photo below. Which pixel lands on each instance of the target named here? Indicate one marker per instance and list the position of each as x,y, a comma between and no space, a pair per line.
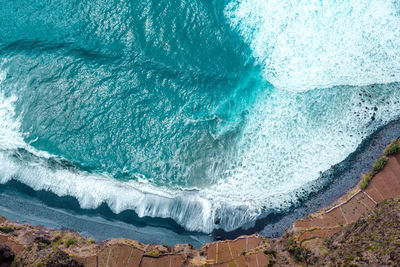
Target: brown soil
354,231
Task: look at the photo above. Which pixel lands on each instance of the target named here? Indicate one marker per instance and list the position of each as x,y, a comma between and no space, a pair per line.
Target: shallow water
211,113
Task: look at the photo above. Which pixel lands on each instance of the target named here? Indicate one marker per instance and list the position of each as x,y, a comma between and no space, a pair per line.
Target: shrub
300,254
91,241
365,179
6,229
56,241
298,257
70,242
379,164
394,147
270,252
271,262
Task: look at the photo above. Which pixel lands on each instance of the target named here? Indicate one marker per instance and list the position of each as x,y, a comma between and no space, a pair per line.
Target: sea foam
189,208
307,44
290,135
288,140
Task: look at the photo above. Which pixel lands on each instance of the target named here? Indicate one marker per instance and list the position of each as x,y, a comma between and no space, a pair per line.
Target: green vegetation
391,149
365,179
377,167
300,254
371,239
56,241
42,242
270,252
379,164
91,241
154,253
6,229
70,242
271,262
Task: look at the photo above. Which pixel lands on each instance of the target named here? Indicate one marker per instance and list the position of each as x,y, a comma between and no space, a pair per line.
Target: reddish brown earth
311,240
357,203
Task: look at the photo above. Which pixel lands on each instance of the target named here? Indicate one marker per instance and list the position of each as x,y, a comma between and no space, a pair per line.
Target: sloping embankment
360,228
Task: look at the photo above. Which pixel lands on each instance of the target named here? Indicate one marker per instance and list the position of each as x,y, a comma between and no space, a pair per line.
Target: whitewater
317,78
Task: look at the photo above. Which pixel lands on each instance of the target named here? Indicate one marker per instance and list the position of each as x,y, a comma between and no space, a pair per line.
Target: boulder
6,256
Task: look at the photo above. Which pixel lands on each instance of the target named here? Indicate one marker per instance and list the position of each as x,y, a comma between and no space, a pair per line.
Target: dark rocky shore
373,240
360,229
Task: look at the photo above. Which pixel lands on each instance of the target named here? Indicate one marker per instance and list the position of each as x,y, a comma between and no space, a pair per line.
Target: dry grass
391,149
377,167
365,179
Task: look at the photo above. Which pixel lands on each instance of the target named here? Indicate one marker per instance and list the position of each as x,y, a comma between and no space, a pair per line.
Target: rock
59,258
51,257
6,256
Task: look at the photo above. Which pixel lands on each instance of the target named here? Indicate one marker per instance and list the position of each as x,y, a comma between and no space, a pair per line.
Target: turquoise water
212,113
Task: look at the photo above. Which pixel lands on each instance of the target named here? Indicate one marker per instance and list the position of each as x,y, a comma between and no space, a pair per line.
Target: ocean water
211,113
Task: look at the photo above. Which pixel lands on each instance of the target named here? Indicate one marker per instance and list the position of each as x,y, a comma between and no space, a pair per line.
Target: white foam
288,140
189,208
9,127
289,136
306,44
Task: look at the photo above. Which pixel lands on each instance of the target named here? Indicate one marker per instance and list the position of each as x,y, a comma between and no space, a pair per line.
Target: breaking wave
197,136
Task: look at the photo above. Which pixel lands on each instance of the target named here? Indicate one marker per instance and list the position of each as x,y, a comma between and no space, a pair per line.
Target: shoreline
306,236
46,208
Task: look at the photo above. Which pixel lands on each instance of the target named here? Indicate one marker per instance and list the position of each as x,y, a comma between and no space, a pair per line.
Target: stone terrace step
384,185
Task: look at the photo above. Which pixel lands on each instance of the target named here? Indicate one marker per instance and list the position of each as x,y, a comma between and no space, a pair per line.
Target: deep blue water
210,114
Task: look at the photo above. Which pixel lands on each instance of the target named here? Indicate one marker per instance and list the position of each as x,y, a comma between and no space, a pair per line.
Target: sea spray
168,110
309,44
